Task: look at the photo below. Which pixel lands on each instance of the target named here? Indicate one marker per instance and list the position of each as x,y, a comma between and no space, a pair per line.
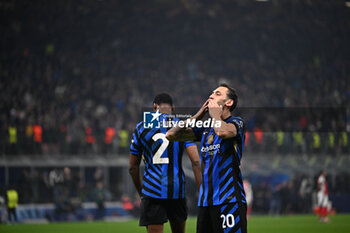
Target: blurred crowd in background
68,189
275,194
75,77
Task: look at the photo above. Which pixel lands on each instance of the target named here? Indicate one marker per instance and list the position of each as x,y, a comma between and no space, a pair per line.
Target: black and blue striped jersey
221,176
163,176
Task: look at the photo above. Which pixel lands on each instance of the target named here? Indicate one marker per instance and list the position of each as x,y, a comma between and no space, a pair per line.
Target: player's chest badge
210,139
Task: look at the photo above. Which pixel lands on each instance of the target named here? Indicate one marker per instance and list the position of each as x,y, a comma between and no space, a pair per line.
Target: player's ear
229,103
172,108
155,107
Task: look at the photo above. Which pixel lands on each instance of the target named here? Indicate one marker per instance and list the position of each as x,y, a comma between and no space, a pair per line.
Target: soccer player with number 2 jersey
222,202
162,188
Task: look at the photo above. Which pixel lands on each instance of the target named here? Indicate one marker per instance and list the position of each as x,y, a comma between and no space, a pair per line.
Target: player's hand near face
215,110
186,134
202,111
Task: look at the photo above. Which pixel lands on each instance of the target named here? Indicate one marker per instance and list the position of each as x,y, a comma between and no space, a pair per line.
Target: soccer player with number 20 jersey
222,202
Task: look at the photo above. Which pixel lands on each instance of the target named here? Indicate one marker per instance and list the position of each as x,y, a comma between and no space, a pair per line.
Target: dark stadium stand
75,77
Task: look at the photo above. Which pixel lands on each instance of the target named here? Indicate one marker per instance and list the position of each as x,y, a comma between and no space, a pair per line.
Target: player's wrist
194,117
216,117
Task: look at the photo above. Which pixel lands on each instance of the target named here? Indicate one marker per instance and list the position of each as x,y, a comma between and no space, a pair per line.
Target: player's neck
225,115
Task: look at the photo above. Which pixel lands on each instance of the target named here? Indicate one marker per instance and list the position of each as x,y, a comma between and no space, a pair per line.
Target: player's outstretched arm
180,134
134,171
186,134
202,111
192,152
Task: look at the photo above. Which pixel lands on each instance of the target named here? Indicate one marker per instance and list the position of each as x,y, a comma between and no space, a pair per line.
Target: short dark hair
231,93
163,98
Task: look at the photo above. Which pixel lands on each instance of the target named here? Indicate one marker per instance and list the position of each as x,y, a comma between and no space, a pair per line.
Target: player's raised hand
215,110
202,111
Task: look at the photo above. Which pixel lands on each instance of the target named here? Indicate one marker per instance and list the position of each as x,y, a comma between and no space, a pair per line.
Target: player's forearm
225,130
180,134
196,167
186,134
136,179
192,152
134,171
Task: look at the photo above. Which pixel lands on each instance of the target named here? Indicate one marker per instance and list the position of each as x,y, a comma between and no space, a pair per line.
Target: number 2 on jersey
156,158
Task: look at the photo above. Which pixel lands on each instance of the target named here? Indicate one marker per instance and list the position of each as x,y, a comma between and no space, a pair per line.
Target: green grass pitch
257,224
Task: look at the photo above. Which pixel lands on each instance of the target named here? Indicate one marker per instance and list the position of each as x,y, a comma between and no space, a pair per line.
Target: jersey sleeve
198,132
135,146
189,143
240,126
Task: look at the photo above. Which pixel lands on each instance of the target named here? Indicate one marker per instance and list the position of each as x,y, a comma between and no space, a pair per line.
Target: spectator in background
249,196
108,140
12,140
3,209
344,142
69,182
276,200
100,197
90,141
93,87
305,192
280,141
123,141
98,175
12,203
128,205
35,185
290,197
24,186
137,205
262,196
28,145
56,179
38,138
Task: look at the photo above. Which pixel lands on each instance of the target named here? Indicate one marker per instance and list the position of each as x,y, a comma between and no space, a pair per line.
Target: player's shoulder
237,120
139,126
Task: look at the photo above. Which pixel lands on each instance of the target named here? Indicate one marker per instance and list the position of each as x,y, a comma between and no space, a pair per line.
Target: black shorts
158,211
231,217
